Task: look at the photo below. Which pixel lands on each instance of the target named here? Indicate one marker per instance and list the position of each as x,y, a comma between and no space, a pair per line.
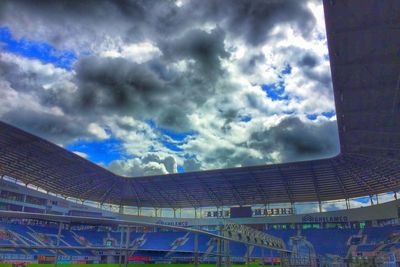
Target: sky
157,87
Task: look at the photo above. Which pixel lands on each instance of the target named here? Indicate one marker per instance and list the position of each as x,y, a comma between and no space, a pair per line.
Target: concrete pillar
262,257
60,224
120,247
127,246
271,256
247,255
219,252
227,254
196,250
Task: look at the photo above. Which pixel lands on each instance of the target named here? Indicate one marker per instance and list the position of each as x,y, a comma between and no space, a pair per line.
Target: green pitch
130,265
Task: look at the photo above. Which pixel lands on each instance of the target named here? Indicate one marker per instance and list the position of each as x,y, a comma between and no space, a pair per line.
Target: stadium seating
162,245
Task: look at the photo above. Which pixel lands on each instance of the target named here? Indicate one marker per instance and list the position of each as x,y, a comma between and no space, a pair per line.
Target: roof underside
364,49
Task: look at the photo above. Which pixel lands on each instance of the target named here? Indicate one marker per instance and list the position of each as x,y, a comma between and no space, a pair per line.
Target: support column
127,246
120,247
372,202
60,224
227,254
271,256
320,206
395,195
196,250
247,255
219,252
262,257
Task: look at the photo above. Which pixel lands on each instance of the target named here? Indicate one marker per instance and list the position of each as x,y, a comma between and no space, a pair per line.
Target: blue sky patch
312,117
287,70
171,146
170,139
329,114
275,92
364,200
175,135
245,118
36,50
103,151
180,169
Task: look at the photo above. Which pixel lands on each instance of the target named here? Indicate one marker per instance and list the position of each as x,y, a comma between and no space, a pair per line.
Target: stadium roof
363,40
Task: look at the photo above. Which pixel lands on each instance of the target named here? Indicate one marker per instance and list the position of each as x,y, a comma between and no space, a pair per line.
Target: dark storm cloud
249,64
56,128
297,140
292,139
150,90
309,60
21,81
93,20
205,48
254,20
115,84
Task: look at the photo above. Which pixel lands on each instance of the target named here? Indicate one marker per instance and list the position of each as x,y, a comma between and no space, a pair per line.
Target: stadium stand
38,227
156,246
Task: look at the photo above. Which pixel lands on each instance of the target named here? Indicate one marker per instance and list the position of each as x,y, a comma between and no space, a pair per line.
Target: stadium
57,208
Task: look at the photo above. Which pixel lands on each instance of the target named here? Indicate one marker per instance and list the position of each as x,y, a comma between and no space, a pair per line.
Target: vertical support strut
219,252
247,255
271,256
196,250
60,224
262,257
127,246
227,254
120,247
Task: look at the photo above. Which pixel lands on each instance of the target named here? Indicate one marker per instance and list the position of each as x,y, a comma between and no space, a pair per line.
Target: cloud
57,128
138,52
151,164
81,154
185,66
98,131
296,140
254,21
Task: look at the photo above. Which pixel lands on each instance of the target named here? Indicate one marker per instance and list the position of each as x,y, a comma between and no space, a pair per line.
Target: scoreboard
241,212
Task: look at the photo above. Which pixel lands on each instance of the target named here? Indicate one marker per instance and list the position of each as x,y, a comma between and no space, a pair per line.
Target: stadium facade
363,41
